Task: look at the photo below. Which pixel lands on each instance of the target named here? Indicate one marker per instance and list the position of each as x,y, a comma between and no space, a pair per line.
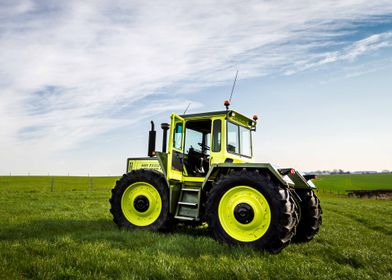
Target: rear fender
217,170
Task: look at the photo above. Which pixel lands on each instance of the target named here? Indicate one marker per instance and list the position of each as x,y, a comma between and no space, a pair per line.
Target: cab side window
217,136
177,141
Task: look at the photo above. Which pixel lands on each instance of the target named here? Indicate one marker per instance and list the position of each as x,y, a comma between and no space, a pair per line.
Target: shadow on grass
182,240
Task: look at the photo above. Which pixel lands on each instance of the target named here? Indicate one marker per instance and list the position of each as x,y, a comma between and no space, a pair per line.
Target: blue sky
80,80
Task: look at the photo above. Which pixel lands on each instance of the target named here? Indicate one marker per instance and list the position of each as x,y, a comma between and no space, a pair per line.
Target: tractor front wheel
247,208
140,199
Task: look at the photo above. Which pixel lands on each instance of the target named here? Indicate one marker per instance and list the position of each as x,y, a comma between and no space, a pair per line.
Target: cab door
175,157
218,142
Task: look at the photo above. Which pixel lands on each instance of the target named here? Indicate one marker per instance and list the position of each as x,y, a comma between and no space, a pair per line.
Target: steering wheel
203,146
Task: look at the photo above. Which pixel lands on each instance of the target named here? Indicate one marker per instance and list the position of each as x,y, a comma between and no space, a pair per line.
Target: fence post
90,184
52,184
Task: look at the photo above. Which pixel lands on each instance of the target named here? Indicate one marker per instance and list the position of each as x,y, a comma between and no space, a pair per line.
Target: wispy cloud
70,69
350,52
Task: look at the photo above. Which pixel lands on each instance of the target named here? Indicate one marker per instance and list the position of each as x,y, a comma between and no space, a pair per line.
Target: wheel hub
141,203
244,213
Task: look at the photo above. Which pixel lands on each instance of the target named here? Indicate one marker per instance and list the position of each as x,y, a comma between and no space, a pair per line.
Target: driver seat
195,162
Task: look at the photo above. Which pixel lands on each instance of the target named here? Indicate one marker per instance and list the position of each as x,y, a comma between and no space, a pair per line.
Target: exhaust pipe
152,135
165,127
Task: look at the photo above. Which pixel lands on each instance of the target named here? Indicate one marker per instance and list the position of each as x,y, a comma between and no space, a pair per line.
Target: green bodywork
186,190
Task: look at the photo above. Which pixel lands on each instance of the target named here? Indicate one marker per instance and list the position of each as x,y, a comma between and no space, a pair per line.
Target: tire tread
283,222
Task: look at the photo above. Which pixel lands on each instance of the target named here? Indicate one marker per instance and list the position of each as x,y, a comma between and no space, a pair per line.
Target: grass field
70,235
342,182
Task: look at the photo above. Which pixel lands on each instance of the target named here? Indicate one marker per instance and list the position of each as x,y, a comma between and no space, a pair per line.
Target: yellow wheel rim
149,211
257,210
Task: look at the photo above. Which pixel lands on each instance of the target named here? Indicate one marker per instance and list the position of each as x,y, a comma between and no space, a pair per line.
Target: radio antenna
232,89
187,107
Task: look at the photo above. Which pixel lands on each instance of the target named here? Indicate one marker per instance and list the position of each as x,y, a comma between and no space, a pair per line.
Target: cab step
190,190
188,204
184,218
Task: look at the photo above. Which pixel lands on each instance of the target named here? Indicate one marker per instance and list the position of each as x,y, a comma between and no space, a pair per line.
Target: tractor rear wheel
248,208
140,199
310,216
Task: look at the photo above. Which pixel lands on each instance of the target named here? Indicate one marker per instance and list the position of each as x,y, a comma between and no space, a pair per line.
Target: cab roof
206,114
231,114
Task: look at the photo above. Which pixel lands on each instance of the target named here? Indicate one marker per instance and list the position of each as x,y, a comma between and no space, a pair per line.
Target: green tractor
208,175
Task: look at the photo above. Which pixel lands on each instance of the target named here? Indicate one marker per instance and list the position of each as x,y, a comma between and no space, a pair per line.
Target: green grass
70,235
342,182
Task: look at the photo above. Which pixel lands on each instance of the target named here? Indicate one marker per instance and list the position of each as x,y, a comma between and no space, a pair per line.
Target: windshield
245,142
197,136
239,140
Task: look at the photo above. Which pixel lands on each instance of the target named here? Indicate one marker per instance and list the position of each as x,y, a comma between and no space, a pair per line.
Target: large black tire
155,179
283,216
310,216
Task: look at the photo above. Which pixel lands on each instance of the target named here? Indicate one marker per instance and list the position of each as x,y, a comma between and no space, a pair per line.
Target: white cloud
68,68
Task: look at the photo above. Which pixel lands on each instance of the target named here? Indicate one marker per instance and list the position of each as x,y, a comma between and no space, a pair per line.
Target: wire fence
79,183
18,183
55,183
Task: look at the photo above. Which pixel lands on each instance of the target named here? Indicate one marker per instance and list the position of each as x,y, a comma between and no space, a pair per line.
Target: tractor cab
196,141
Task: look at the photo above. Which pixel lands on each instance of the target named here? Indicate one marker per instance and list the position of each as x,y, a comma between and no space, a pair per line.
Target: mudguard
295,180
302,181
222,168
